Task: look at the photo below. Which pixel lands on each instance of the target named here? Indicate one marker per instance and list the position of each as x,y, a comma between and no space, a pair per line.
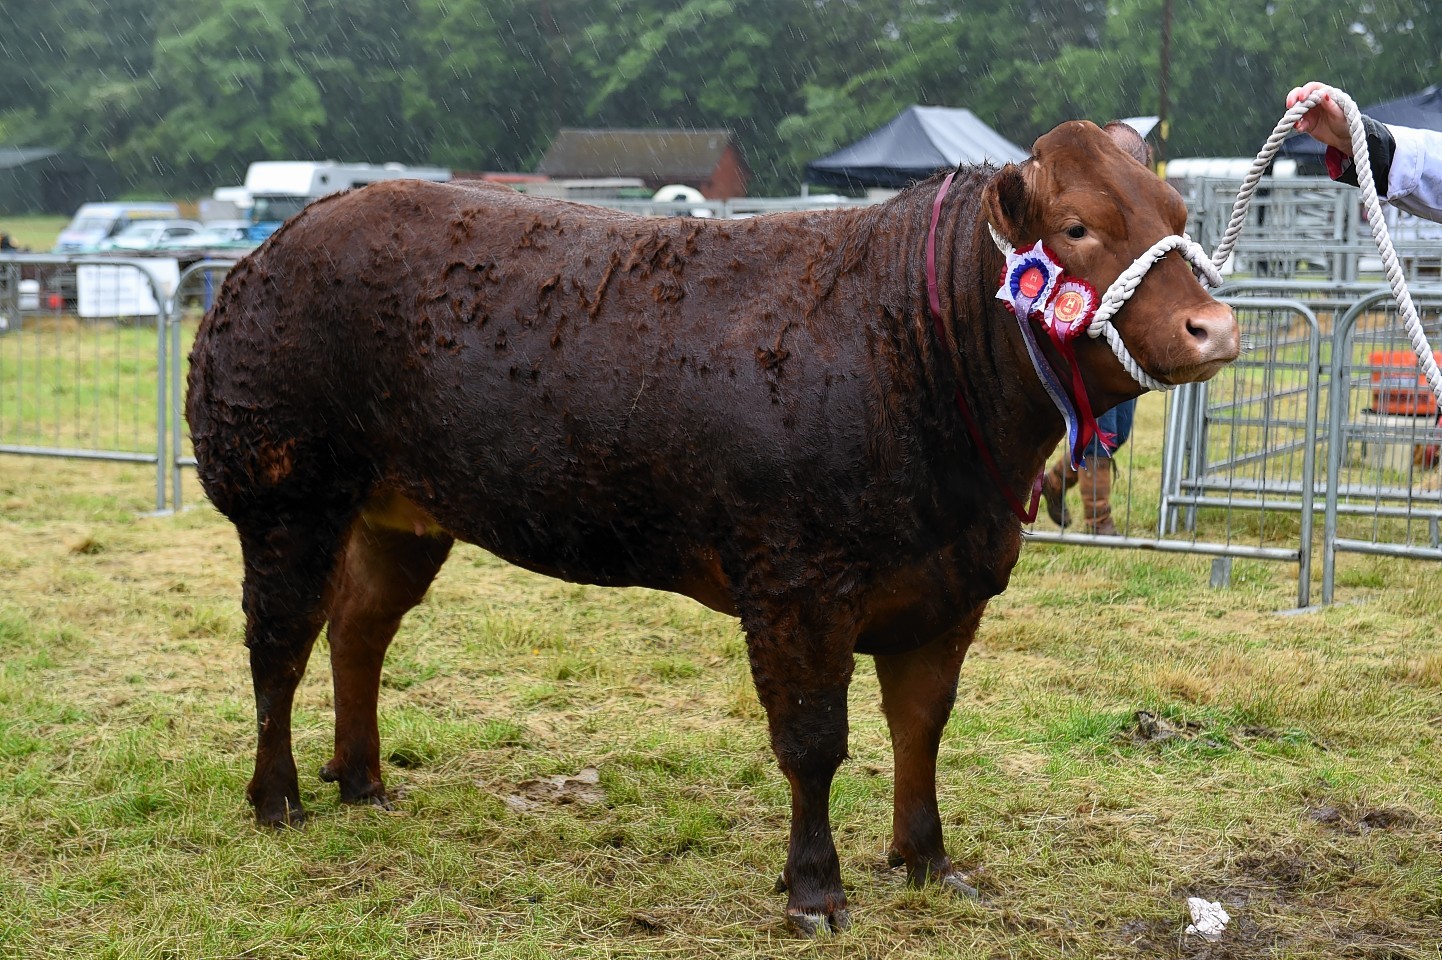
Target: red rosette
1071,308
1030,278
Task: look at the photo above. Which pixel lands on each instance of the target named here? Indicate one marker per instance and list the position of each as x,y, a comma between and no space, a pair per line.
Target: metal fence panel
90,368
1307,228
198,283
1234,451
81,354
1384,490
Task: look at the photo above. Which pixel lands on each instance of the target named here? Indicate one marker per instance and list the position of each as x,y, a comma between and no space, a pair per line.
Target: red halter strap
1025,514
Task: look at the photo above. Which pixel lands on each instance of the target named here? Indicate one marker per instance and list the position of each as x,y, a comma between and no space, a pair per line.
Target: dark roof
11,157
1421,110
913,145
650,154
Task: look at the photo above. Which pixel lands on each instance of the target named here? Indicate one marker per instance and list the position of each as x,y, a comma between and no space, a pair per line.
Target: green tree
76,73
182,97
496,81
234,91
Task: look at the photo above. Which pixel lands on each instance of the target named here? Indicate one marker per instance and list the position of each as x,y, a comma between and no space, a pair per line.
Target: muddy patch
1149,729
1244,938
1353,820
583,789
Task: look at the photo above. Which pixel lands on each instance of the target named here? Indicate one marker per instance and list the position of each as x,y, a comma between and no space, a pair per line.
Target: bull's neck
990,366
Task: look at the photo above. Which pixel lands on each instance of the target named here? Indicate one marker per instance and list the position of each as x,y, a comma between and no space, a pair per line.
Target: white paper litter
1209,920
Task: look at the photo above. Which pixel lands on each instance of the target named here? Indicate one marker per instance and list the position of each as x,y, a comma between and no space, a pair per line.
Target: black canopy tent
1422,110
912,146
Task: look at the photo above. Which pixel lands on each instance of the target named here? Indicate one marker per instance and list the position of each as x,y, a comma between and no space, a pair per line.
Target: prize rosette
1071,309
1030,278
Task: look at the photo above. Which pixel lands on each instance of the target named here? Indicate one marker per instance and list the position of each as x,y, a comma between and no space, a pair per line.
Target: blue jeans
1118,422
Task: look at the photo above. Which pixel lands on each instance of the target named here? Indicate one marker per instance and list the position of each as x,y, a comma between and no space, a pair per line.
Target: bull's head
1088,195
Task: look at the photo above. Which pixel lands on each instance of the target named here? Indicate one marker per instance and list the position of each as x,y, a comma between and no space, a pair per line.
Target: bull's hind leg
384,574
289,555
918,689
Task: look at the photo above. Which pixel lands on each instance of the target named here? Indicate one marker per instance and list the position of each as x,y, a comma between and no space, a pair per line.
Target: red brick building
705,159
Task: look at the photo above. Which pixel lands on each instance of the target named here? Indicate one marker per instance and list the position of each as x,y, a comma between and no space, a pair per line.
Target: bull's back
508,364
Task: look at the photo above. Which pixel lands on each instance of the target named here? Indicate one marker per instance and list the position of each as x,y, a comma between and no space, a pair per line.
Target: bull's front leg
918,689
802,680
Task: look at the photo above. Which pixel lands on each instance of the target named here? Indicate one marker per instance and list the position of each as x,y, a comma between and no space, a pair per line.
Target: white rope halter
1208,271
1125,285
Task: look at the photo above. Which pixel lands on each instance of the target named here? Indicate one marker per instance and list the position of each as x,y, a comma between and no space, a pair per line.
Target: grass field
1124,738
1293,770
36,233
72,383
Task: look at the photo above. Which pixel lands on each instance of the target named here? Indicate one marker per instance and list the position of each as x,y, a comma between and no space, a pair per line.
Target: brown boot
1054,485
1095,483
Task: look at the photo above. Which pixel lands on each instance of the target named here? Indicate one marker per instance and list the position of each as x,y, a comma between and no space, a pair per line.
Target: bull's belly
903,605
569,546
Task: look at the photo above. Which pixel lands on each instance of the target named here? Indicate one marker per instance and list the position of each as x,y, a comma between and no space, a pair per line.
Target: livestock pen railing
1372,424
1307,228
89,349
1384,489
82,347
202,277
1234,468
1233,451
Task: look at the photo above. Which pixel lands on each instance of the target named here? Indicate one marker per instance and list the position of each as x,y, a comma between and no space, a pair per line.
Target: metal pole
162,408
1309,455
1341,388
173,321
1166,66
206,269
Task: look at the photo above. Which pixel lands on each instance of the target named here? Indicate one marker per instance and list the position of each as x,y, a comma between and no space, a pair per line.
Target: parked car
217,235
149,235
95,223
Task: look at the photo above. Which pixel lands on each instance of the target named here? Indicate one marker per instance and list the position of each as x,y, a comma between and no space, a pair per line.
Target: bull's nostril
1215,336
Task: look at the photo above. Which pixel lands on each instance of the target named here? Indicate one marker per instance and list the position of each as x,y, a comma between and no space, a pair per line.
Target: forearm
1415,181
1406,166
1381,145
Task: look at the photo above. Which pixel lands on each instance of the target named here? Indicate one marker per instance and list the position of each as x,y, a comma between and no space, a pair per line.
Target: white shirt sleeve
1414,181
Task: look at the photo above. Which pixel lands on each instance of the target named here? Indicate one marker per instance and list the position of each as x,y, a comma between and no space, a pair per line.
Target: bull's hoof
276,805
370,793
374,797
943,875
811,925
955,883
280,815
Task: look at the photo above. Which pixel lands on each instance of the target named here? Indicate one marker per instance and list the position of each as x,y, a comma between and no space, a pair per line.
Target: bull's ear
1005,201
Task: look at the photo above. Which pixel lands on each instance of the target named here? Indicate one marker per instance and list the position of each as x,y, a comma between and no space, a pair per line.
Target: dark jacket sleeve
1381,145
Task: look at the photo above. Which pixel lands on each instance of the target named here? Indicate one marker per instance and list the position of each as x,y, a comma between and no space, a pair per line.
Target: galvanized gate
1384,488
1234,471
81,353
1234,451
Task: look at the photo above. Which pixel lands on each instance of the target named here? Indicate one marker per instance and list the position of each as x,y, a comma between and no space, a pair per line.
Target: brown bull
756,414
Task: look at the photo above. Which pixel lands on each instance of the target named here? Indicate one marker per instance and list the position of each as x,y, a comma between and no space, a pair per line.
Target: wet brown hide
757,414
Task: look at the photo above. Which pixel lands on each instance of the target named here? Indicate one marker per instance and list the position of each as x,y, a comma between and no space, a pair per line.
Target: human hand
1325,122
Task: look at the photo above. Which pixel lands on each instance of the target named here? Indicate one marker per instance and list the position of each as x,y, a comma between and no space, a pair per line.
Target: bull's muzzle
1213,329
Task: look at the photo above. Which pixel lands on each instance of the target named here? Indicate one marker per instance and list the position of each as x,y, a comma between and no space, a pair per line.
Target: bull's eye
1076,231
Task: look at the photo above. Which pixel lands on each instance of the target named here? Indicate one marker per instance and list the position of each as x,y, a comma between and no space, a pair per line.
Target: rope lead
1380,235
